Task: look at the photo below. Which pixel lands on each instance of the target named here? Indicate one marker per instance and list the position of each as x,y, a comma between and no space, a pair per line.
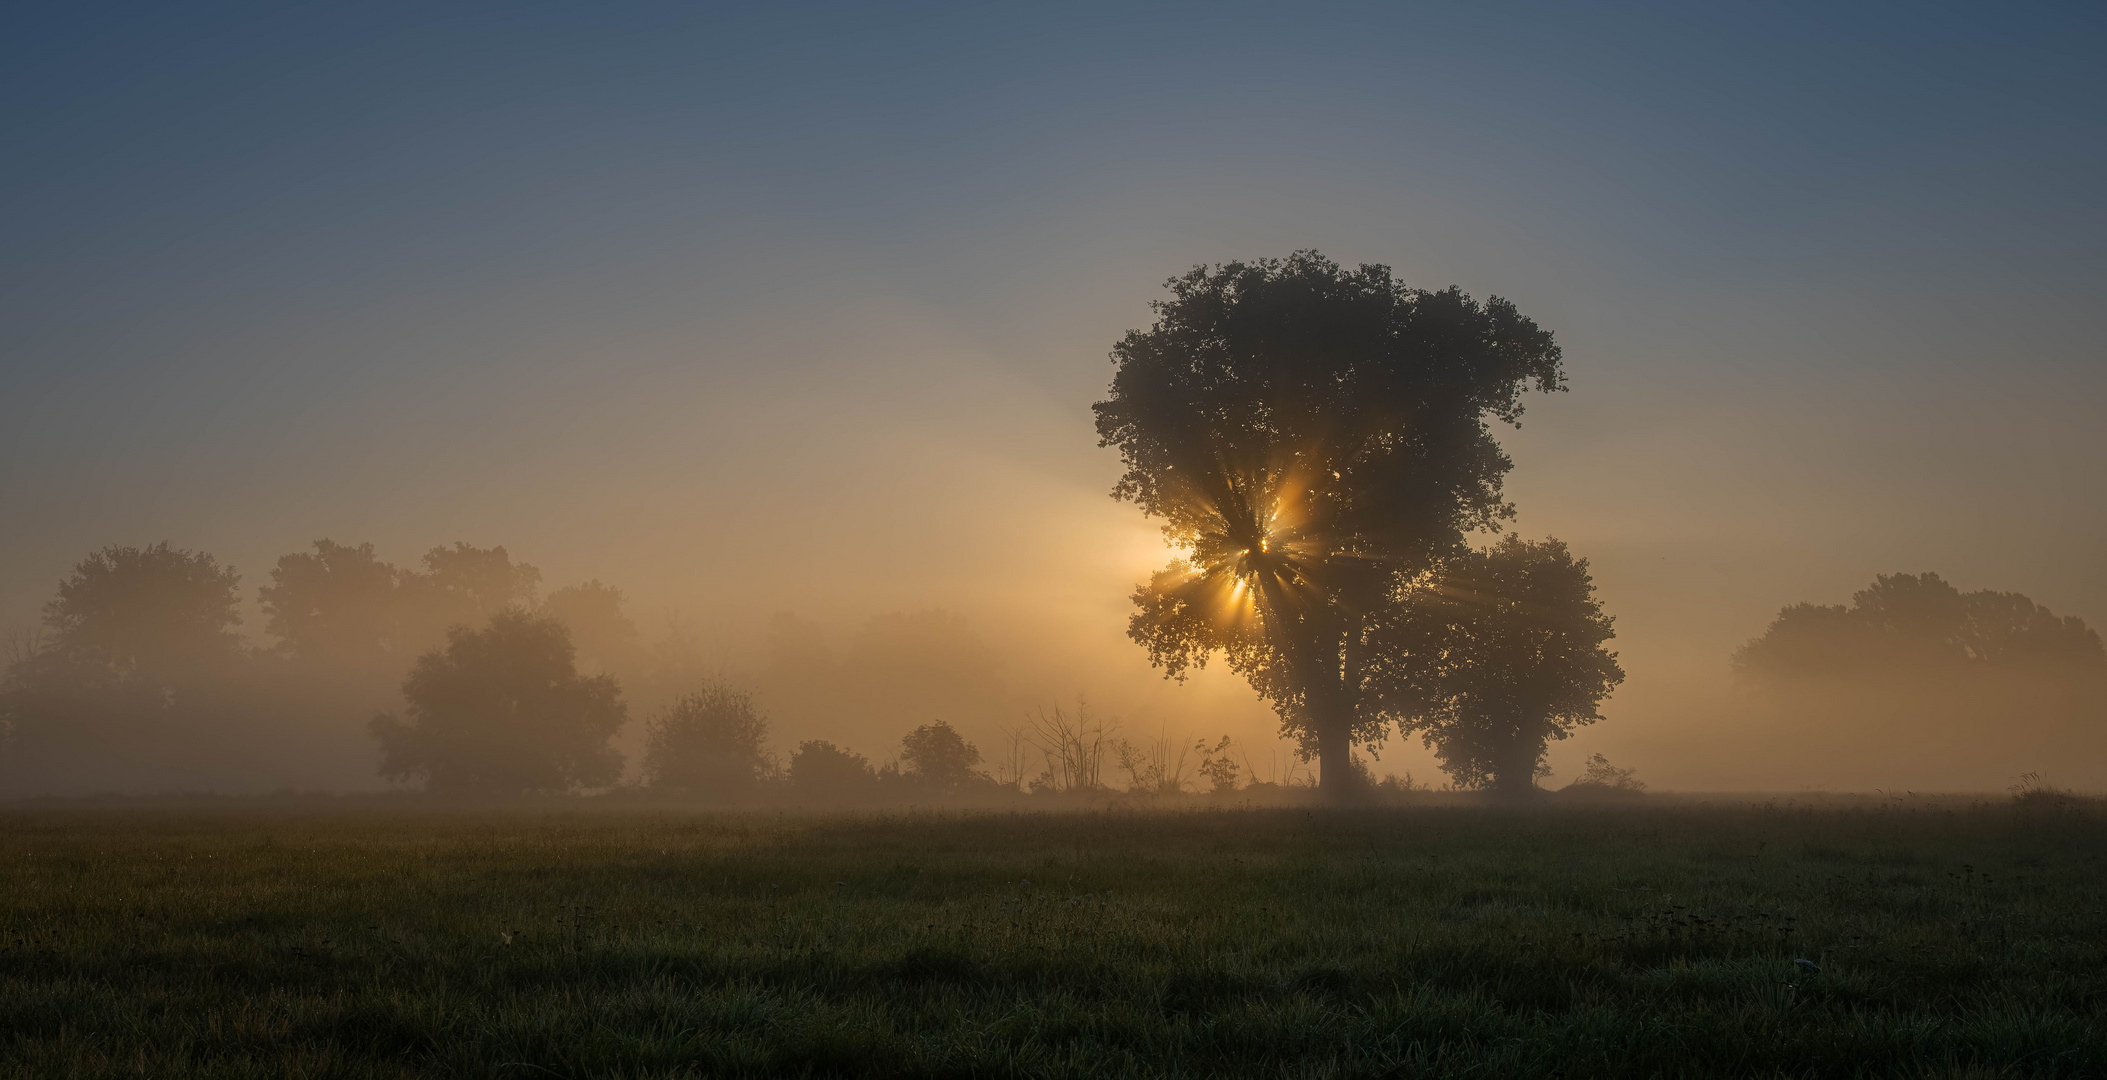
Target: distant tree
936,757
337,605
503,711
127,677
821,771
463,586
603,633
1907,624
710,741
156,609
1312,435
1492,656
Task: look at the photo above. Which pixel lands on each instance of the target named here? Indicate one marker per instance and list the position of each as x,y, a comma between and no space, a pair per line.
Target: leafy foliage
155,610
711,741
503,711
1311,435
1494,655
823,772
938,758
337,605
1906,624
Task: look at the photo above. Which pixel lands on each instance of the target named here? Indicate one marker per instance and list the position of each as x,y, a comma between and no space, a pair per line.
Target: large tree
1492,656
1312,436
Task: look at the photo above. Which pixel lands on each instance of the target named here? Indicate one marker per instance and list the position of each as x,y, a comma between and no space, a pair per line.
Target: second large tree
1313,437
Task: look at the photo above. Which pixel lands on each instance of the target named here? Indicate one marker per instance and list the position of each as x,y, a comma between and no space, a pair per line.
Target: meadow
1651,937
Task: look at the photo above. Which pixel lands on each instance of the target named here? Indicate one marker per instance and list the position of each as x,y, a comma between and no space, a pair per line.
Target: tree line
458,675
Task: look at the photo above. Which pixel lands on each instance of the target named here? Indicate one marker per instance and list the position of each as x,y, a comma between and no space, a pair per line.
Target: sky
802,307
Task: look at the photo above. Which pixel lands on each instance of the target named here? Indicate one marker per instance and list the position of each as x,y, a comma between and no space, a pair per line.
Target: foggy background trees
140,681
503,711
1916,671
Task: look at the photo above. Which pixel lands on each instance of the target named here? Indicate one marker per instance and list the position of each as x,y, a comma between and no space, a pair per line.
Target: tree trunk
1336,776
1331,712
1515,777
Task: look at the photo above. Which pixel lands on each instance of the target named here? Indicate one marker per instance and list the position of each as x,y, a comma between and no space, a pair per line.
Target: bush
823,772
936,757
503,711
709,741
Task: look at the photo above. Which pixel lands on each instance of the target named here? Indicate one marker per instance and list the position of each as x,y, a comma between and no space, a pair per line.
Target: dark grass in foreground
1644,940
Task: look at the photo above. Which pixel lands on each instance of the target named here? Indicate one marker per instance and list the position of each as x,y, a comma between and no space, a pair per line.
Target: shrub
708,741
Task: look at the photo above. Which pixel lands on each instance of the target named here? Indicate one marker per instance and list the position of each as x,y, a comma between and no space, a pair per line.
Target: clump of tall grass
2033,793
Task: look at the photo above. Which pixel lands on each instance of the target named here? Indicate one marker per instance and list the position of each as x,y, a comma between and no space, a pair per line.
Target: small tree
1599,773
937,757
1495,655
820,770
712,740
503,711
1222,772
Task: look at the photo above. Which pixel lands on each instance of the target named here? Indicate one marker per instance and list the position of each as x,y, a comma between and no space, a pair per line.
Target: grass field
1653,939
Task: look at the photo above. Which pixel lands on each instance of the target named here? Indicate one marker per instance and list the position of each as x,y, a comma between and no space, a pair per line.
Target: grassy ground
1644,940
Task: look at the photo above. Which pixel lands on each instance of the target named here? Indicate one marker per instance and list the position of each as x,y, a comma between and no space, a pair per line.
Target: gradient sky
803,307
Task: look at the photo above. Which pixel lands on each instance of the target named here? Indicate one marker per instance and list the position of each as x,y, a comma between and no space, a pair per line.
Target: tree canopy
1494,656
1311,436
711,741
503,711
155,609
1907,623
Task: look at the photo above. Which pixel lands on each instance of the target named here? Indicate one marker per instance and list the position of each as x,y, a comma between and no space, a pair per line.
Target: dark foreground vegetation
1642,938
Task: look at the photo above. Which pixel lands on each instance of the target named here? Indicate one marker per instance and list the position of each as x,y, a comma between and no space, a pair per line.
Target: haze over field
803,311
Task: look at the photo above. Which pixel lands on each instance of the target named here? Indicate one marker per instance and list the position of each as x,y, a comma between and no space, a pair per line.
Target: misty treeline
1925,676
458,675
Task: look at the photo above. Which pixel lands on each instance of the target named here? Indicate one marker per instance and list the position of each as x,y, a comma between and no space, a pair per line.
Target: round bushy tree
1310,435
713,741
503,711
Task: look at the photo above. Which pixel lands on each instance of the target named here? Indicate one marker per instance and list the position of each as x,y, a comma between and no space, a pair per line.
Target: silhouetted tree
711,741
937,758
154,609
463,586
137,681
1906,624
336,606
821,771
503,711
603,633
1492,656
1313,435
